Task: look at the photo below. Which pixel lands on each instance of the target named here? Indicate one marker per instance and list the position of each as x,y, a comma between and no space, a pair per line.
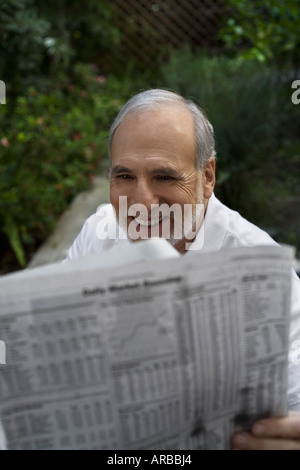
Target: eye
165,178
124,177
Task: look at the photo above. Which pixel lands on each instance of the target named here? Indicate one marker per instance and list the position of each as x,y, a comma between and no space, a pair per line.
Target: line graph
143,332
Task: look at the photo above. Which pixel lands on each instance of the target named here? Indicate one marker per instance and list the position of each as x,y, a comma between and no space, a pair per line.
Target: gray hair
152,99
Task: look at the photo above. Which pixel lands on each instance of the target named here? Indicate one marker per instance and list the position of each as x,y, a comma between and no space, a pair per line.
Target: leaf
11,231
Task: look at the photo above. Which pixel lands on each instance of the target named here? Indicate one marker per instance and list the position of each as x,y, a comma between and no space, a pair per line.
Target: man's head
162,152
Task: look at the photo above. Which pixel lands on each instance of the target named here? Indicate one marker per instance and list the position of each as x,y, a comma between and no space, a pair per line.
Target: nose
145,194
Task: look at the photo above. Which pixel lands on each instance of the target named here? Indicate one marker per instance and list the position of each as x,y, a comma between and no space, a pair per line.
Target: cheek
120,196
114,196
186,193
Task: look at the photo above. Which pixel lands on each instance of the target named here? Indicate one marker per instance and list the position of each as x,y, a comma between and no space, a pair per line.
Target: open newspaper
144,349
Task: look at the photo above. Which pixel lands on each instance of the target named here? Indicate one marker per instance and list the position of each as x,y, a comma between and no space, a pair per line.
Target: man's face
153,163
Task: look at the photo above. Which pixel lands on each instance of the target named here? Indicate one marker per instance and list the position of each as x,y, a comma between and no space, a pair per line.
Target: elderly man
162,153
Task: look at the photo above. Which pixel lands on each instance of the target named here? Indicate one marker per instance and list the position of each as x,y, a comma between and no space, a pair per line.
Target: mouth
148,223
144,229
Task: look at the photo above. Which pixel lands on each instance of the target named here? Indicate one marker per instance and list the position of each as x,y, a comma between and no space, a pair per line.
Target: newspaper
168,355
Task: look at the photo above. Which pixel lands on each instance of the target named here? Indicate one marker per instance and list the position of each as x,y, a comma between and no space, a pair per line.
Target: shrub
267,30
41,41
51,148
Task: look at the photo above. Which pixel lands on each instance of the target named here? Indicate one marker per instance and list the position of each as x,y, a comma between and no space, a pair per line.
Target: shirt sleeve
99,232
76,249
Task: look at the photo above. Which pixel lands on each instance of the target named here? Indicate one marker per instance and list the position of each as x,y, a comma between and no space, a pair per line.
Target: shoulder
226,228
98,223
99,232
103,216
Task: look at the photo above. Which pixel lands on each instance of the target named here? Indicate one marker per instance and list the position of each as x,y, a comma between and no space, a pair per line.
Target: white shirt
223,228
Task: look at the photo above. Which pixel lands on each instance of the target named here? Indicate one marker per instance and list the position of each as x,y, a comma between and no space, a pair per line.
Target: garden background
69,67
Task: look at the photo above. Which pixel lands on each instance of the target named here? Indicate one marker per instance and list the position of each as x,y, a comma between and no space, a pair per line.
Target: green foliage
10,229
257,131
55,60
22,32
82,31
266,30
51,149
40,41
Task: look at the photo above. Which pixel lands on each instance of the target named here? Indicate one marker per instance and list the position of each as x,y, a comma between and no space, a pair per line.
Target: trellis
147,25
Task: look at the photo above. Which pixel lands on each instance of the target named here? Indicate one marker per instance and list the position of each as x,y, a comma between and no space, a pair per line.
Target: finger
284,427
246,441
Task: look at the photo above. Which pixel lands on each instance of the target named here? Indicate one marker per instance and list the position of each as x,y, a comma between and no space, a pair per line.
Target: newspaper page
168,355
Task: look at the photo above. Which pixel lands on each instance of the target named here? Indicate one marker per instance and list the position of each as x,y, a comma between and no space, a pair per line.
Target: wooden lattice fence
148,25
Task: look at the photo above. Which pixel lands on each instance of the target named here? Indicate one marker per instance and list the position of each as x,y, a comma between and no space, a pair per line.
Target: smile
148,223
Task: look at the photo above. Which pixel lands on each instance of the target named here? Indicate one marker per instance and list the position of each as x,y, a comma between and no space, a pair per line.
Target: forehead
164,132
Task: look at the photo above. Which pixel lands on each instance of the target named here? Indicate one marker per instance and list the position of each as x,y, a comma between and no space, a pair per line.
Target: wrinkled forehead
169,115
155,138
160,124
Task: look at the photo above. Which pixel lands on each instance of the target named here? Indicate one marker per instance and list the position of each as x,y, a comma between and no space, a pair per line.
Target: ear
209,177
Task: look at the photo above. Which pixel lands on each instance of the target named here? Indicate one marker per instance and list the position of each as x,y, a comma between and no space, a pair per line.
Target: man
162,153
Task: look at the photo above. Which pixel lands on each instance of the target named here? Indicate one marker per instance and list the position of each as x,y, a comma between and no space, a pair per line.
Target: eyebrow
166,172
118,169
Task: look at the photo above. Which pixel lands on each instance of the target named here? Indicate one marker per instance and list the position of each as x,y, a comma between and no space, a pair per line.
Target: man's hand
270,434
